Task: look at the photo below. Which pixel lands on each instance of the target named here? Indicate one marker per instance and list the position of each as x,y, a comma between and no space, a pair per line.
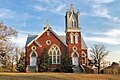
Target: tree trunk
99,68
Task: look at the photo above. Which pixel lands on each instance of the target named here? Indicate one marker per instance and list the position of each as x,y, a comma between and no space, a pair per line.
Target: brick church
72,43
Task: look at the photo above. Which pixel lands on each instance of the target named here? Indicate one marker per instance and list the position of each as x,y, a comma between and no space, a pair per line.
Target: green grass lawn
57,76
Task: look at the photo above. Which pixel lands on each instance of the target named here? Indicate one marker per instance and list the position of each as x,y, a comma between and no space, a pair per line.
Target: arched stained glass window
33,54
54,54
83,58
76,38
72,38
75,54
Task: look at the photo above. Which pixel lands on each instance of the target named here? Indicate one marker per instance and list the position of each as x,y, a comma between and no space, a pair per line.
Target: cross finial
47,24
72,7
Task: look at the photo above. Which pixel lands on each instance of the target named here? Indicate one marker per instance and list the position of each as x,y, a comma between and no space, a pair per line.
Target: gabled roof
84,46
30,38
63,38
34,38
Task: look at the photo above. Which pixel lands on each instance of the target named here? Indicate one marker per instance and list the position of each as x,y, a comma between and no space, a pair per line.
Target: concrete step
78,69
32,68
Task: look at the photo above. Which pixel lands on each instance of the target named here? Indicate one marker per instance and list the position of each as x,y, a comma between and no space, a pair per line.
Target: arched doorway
75,59
33,59
83,58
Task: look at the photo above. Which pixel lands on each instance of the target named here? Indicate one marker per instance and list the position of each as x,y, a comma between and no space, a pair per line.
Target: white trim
54,49
72,38
70,18
47,42
73,29
38,36
37,43
34,52
48,33
83,57
73,53
33,48
76,38
72,22
33,57
74,47
43,33
31,61
84,54
58,37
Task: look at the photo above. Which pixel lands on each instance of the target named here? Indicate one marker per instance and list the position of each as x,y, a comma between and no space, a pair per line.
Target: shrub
119,70
57,70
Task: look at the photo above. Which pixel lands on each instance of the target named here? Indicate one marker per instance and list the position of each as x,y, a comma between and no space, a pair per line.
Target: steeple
72,8
47,25
72,19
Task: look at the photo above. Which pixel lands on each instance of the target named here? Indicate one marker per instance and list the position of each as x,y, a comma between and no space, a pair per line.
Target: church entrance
33,59
75,59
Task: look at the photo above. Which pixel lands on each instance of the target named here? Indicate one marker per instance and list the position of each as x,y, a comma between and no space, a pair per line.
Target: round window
33,48
48,42
74,48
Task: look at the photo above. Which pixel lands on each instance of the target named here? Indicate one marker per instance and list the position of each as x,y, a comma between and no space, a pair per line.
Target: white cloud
47,1
27,32
39,8
109,37
84,14
9,14
114,56
22,37
103,1
113,33
6,13
20,40
60,7
102,11
107,40
57,7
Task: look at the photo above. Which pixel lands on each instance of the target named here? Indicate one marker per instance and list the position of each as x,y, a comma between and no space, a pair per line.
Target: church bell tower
73,35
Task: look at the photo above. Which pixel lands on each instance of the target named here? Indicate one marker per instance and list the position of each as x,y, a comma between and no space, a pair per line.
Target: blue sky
100,20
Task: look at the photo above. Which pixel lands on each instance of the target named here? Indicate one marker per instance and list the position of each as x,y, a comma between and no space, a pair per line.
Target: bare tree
6,47
99,52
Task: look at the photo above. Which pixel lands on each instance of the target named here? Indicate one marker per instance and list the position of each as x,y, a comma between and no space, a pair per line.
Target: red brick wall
78,45
42,41
86,53
54,40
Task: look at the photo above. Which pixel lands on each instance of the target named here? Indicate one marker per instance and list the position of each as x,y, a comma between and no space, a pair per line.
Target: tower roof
72,8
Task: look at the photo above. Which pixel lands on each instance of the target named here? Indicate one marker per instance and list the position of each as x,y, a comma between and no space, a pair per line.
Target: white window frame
72,38
52,49
83,56
48,33
76,38
72,22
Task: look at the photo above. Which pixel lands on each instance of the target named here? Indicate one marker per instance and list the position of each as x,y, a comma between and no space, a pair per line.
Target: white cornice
43,33
71,29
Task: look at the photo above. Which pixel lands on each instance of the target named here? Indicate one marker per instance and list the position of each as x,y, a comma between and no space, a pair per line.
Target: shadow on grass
31,77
